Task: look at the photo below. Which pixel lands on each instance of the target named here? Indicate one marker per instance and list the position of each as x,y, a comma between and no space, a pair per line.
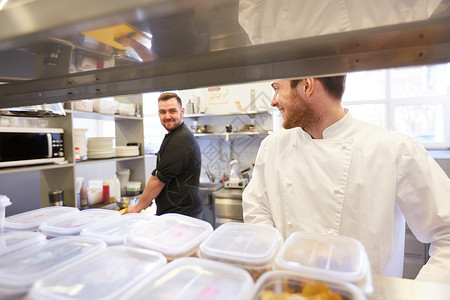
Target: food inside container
115,230
337,257
249,246
31,220
133,188
191,278
21,269
281,285
113,271
173,235
73,224
13,241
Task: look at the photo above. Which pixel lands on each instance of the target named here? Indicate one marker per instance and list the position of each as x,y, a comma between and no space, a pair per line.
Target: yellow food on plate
311,291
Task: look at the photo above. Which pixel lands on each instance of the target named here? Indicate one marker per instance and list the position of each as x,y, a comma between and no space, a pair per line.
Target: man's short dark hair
169,95
333,85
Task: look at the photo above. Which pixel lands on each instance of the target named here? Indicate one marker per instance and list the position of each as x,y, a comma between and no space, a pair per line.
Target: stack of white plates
79,139
100,147
124,151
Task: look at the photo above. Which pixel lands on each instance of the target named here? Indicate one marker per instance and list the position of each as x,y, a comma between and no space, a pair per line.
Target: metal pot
203,128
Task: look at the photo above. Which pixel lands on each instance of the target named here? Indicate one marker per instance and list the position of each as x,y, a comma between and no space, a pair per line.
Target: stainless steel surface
206,190
228,193
218,52
228,208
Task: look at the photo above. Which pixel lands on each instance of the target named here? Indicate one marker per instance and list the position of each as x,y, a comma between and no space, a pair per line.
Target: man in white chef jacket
329,173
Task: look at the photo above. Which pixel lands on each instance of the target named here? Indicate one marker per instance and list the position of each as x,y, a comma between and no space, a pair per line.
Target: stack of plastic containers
173,235
18,271
249,246
74,223
31,220
113,271
327,257
115,230
192,278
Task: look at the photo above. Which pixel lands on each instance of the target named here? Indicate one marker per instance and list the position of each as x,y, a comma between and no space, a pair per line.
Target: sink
211,186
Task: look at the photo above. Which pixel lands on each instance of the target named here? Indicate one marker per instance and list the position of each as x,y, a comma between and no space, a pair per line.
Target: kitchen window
412,100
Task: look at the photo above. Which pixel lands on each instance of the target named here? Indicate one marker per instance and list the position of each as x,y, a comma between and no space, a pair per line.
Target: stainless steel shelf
229,114
95,115
225,134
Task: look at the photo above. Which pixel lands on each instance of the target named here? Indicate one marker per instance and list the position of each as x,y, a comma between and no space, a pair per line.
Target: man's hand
132,209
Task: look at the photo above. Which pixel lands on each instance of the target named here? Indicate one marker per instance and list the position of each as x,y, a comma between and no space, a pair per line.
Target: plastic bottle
112,190
84,203
116,187
105,191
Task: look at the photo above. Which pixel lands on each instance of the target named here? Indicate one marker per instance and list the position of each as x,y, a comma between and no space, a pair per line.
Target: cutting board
111,35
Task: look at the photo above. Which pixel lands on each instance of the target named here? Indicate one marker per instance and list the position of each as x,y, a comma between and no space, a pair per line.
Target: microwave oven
20,146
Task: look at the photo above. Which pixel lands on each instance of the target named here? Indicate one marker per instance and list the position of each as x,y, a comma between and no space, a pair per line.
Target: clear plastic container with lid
16,240
4,202
191,278
31,220
22,269
173,235
115,230
112,271
73,224
252,247
337,257
292,285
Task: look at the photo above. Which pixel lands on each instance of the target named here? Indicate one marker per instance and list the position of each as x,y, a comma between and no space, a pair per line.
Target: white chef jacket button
343,147
330,231
289,223
336,190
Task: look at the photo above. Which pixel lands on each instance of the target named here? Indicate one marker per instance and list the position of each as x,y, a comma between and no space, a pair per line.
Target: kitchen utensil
123,202
56,198
203,128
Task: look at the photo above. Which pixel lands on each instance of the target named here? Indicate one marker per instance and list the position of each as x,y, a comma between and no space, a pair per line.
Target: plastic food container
252,247
31,220
112,271
191,278
13,241
290,283
173,235
115,230
337,257
4,202
22,269
73,224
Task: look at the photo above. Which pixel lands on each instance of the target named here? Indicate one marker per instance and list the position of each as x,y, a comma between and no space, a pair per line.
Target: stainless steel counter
227,206
390,288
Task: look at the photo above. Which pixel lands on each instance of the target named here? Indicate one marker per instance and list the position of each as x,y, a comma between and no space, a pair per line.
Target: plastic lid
293,282
115,230
112,271
21,269
192,278
31,220
242,244
73,224
16,240
174,235
337,257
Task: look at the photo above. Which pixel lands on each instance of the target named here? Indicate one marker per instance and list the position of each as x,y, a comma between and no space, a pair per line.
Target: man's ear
308,86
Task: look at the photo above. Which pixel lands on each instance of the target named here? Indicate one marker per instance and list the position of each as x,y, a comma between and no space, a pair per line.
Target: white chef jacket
361,181
278,20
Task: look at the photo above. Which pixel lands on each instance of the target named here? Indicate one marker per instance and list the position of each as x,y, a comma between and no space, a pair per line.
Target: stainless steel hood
201,42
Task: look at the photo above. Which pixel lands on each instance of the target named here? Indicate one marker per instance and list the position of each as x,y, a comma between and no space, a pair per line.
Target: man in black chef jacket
174,183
